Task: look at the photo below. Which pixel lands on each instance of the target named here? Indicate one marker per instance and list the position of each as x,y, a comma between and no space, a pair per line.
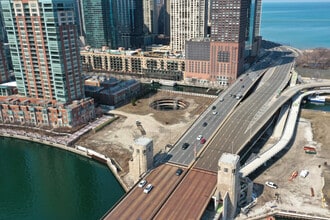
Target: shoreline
85,152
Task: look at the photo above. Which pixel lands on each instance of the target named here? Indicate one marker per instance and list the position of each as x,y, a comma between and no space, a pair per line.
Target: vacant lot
300,194
164,127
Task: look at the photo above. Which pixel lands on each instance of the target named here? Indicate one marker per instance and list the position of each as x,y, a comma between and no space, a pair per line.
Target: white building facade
188,21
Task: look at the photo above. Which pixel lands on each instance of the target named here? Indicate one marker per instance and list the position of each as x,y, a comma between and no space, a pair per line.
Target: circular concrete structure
168,104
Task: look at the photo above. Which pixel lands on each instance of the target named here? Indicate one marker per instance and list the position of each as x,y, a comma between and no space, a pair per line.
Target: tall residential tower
44,48
43,40
188,21
4,69
220,58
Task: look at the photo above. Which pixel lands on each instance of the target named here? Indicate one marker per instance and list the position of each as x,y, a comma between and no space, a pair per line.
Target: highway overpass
186,196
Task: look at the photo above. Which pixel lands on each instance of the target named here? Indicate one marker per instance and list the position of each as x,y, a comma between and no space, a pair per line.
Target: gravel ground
164,127
296,195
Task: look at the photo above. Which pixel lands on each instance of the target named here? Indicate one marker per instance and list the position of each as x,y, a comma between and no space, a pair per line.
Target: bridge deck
138,205
194,193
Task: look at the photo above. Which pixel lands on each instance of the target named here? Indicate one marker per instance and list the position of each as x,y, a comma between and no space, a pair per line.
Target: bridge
234,128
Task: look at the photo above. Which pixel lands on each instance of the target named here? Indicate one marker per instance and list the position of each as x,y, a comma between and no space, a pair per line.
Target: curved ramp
286,137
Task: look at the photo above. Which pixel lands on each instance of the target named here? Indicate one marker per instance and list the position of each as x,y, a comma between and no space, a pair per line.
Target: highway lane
172,193
224,108
136,204
196,191
237,128
224,105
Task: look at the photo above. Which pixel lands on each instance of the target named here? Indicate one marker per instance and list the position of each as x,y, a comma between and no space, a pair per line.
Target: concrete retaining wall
77,150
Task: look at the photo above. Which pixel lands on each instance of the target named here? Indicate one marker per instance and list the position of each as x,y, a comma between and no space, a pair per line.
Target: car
203,140
304,173
179,171
221,99
214,107
271,185
199,137
185,146
142,183
148,188
214,112
204,124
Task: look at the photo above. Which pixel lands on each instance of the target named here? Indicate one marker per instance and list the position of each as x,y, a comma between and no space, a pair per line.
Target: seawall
86,153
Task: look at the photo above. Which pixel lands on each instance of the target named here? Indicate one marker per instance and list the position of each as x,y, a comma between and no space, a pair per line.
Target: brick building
45,113
152,64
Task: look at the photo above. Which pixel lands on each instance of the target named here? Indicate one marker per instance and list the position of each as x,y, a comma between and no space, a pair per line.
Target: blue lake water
302,25
42,182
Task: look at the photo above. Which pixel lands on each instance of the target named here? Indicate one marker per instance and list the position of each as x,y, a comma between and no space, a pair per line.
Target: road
239,126
225,105
176,196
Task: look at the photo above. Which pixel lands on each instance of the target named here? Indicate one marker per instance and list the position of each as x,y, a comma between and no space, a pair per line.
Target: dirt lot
164,127
313,129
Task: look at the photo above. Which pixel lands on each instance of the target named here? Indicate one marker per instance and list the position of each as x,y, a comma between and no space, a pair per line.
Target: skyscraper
44,48
149,16
128,22
228,34
234,28
96,17
4,69
43,40
188,21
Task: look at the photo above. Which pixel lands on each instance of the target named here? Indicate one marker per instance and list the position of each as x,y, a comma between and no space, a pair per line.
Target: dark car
185,146
214,107
178,171
203,141
204,124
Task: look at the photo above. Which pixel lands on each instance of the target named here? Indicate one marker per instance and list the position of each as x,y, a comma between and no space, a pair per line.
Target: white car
148,188
214,112
304,173
271,185
199,137
142,183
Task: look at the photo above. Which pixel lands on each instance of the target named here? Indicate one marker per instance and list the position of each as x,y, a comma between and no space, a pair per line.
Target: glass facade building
43,41
96,22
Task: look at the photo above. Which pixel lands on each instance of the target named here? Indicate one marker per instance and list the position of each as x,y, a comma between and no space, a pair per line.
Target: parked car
142,183
204,124
214,107
185,146
179,171
214,112
148,188
271,185
199,137
203,140
304,173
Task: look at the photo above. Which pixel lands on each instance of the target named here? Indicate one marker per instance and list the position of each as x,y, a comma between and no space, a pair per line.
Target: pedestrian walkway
54,137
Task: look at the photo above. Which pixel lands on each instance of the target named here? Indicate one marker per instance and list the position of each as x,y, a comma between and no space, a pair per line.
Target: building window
223,56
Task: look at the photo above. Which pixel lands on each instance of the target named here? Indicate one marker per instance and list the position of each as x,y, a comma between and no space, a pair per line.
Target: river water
42,182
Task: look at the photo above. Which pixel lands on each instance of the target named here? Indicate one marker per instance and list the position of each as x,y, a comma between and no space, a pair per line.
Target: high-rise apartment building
149,16
4,68
44,49
188,21
234,26
228,35
43,40
96,23
128,22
